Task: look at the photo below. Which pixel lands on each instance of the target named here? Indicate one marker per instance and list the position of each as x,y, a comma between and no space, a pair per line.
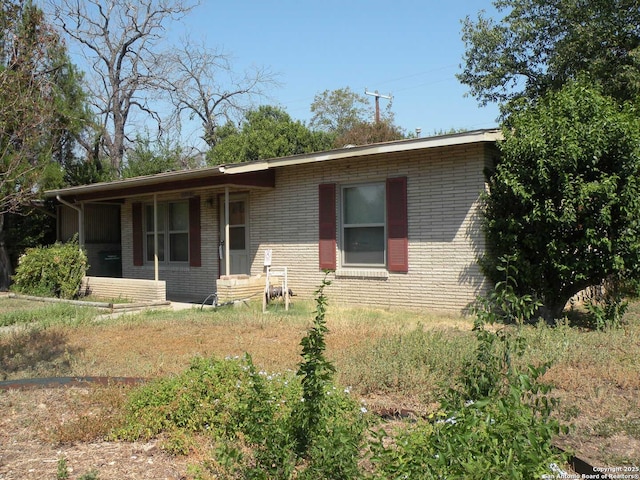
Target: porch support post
155,237
81,225
227,260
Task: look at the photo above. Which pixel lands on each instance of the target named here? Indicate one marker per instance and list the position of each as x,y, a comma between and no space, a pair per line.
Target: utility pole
378,96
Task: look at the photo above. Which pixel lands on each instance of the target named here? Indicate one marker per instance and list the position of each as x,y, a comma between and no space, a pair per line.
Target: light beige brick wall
444,232
240,287
445,239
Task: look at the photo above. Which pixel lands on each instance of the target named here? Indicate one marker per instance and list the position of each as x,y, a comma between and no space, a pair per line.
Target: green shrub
505,434
54,271
221,398
497,424
264,426
245,412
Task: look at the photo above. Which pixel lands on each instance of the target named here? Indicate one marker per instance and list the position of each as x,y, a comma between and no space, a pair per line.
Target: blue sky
409,48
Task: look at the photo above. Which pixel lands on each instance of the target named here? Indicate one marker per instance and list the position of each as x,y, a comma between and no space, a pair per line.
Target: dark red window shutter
397,225
327,225
195,259
136,224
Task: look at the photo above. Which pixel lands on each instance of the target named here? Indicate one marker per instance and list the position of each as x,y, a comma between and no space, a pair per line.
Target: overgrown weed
496,423
47,315
261,425
416,363
34,352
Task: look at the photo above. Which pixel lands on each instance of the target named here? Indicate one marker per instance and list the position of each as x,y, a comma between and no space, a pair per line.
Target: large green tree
539,45
40,111
267,132
564,199
337,111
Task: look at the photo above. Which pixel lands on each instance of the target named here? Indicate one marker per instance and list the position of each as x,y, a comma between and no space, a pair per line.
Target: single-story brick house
398,222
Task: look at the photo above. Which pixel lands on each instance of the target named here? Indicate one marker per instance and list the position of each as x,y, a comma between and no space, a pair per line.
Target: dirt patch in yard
30,448
36,422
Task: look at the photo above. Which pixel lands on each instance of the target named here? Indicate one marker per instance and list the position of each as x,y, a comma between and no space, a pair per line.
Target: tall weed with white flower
323,431
328,425
497,424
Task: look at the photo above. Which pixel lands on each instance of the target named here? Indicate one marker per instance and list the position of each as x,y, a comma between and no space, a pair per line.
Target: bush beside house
54,271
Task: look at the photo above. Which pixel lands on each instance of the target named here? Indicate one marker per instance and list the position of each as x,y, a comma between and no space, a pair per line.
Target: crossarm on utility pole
377,96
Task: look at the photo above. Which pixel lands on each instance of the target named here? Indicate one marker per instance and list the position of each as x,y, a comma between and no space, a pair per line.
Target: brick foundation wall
126,288
240,287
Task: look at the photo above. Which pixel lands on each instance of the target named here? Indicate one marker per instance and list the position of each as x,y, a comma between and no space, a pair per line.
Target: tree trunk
5,263
552,310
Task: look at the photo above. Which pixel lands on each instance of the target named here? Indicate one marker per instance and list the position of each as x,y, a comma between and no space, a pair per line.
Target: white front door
238,235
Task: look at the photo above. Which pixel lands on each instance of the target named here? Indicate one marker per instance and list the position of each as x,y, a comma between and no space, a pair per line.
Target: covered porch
178,231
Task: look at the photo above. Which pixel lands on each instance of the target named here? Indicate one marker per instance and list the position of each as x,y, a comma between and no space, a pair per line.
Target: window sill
173,266
379,273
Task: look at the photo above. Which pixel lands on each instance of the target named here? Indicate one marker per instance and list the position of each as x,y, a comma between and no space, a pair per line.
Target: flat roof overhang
164,183
257,174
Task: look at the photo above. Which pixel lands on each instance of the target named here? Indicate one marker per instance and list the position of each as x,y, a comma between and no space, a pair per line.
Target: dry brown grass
155,344
596,374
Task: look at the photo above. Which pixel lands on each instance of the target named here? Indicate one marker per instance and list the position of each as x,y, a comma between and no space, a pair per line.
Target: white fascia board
376,149
246,167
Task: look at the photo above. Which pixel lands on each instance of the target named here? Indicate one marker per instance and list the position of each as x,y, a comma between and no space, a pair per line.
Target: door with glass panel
238,236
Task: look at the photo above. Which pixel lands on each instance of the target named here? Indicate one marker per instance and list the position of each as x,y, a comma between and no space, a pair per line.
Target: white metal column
155,237
227,248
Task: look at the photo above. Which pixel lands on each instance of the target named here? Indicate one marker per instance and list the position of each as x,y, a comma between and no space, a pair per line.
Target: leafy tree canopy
148,157
564,198
42,112
268,132
337,111
42,107
348,117
541,44
364,133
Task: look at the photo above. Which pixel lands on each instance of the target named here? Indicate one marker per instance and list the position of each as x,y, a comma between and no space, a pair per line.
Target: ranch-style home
397,222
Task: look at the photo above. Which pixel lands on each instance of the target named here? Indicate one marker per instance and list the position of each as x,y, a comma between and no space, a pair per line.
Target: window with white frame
363,225
173,232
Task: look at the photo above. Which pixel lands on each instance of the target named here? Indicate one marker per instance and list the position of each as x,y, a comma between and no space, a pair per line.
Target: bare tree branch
120,40
205,87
